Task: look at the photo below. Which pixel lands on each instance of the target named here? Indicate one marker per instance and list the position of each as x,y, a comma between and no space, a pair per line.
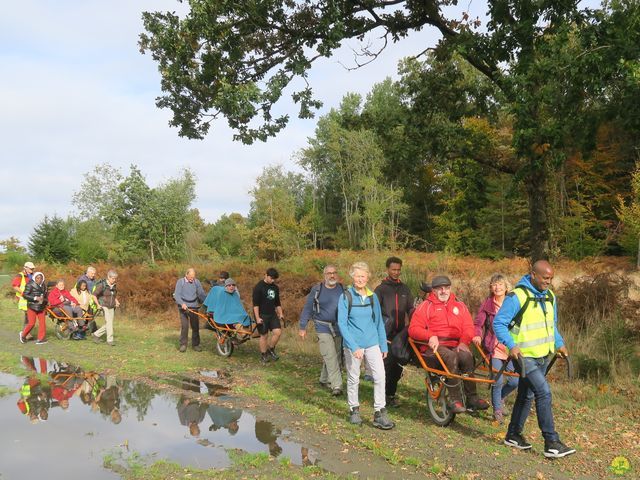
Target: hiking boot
111,344
478,404
96,339
324,384
392,402
22,340
44,340
380,420
197,348
516,440
336,392
456,407
368,378
265,358
557,449
498,416
272,352
182,349
354,416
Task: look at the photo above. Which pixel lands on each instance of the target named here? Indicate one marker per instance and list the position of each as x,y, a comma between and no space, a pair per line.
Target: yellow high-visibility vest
535,336
22,302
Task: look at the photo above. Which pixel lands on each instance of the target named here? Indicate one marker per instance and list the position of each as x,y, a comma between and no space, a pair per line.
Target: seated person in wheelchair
63,304
445,324
225,305
82,296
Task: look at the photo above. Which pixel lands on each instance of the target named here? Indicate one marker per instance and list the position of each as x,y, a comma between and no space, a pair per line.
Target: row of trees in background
528,90
409,166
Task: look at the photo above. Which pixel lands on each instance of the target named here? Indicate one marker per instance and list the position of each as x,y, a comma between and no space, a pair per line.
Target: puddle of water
102,415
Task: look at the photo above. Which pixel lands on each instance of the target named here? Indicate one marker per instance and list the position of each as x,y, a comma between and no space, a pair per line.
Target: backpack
316,296
517,319
350,305
399,348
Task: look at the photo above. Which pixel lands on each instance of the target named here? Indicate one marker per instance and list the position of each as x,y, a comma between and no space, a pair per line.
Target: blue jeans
534,386
504,385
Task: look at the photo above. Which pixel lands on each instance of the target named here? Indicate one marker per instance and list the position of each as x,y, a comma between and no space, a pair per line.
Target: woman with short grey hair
362,327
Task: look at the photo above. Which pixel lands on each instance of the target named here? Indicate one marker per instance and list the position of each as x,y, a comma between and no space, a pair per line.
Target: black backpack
350,304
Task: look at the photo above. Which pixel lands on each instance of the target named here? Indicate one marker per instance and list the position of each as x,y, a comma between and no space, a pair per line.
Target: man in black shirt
268,313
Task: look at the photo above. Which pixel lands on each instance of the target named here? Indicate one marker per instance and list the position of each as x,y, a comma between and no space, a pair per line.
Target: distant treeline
426,162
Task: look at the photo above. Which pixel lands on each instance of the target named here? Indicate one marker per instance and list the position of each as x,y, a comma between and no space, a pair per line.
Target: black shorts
269,322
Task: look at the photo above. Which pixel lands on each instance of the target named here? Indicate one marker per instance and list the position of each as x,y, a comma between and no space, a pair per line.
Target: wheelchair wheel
62,331
438,408
224,348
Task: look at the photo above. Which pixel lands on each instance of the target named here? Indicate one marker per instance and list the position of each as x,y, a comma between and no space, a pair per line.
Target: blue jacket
511,306
328,303
363,327
226,307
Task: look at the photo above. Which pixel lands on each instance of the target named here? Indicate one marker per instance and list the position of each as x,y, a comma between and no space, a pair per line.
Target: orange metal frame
435,392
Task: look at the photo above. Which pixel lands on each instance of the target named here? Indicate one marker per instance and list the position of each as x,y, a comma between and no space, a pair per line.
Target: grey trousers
109,314
373,360
331,351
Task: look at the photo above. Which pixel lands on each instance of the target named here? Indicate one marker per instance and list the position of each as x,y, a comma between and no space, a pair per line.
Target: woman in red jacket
445,324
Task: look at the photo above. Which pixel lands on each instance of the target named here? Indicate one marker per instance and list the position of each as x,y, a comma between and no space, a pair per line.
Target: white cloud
75,92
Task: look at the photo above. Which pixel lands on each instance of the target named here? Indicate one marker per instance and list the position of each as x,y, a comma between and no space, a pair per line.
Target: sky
75,92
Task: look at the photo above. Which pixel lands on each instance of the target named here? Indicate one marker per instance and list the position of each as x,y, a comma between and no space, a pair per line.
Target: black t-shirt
266,297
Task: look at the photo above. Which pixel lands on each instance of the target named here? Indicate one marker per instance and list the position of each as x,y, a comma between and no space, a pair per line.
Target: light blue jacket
363,327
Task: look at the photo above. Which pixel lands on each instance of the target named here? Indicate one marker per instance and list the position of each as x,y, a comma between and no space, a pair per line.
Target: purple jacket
483,324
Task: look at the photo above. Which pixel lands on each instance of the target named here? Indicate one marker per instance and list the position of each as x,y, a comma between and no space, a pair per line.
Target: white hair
359,266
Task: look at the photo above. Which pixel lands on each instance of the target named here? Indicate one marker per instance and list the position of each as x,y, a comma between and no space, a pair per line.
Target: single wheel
224,348
438,408
62,331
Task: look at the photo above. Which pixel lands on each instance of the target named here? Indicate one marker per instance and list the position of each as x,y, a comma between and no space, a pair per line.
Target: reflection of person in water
35,399
191,413
223,417
266,433
108,400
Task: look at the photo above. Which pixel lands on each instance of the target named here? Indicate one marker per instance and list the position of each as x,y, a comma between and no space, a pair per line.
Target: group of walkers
354,325
88,295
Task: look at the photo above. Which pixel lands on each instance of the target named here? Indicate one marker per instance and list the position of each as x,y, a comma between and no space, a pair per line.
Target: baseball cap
29,265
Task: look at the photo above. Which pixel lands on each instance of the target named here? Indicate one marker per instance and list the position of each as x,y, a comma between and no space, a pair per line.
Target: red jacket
451,322
58,297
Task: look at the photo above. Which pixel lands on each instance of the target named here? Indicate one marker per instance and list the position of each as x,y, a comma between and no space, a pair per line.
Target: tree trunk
538,193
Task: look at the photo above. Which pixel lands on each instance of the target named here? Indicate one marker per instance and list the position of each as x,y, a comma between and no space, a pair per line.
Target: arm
54,298
418,328
307,310
15,283
508,310
558,337
382,334
478,321
28,293
343,321
177,293
69,297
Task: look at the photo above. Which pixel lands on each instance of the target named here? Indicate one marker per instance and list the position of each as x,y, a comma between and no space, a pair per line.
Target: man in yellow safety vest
527,323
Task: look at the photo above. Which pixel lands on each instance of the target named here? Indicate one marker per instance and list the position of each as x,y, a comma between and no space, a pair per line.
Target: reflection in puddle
64,406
